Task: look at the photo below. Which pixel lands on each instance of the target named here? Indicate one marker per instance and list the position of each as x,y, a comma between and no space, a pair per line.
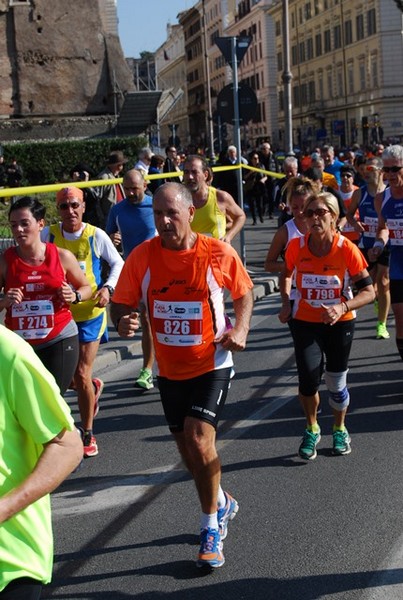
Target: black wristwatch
110,289
78,297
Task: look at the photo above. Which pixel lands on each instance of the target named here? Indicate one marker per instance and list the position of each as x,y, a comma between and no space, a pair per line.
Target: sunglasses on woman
318,212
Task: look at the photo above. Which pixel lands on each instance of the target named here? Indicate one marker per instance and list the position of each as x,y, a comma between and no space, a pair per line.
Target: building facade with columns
347,71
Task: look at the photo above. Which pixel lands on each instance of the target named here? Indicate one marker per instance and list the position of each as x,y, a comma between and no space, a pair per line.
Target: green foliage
50,162
51,213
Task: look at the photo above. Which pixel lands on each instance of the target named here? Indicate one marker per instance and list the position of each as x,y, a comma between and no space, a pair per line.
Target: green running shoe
144,380
341,443
381,332
307,449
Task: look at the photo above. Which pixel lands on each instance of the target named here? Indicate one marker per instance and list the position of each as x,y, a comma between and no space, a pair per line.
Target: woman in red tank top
39,282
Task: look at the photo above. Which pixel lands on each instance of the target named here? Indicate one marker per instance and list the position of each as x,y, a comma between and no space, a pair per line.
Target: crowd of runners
162,260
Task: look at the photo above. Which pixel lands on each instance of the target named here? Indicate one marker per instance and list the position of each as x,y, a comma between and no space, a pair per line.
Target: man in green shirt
39,448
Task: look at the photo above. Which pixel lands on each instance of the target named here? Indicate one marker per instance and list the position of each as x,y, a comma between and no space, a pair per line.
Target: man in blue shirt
131,222
332,164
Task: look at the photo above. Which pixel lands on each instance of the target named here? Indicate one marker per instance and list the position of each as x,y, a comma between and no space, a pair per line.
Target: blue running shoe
225,514
210,553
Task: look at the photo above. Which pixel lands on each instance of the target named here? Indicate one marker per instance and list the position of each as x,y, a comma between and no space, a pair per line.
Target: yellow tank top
90,262
209,219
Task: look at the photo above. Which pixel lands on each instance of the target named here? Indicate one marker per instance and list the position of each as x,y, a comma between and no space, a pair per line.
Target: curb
263,286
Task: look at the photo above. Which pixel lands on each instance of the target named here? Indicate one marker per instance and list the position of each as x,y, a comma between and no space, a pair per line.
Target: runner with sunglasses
323,264
389,206
41,283
90,245
367,226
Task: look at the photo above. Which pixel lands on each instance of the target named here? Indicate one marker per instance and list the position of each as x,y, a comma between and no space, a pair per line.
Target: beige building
170,66
252,19
347,68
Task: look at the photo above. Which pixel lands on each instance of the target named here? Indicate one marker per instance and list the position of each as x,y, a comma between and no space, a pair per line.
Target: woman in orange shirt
323,264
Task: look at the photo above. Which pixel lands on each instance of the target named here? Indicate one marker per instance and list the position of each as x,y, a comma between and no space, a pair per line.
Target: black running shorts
201,397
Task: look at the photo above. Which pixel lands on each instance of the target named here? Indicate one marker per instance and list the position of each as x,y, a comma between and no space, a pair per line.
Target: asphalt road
126,523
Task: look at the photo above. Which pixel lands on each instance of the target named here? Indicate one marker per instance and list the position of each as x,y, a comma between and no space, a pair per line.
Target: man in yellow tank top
214,208
90,245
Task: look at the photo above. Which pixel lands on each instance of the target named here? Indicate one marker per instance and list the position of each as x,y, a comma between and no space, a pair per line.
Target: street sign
339,127
225,45
246,99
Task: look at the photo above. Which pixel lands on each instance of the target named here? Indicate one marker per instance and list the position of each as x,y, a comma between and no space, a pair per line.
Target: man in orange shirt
180,276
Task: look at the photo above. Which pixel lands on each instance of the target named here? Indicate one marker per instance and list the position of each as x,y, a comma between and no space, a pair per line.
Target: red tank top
41,316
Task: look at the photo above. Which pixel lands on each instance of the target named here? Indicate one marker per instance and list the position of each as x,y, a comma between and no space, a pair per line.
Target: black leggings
61,360
24,588
315,341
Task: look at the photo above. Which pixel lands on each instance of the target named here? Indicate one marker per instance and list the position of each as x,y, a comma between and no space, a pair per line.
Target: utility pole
209,114
287,78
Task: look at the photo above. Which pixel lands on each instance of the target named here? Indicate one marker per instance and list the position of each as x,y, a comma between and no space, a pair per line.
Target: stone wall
56,59
56,128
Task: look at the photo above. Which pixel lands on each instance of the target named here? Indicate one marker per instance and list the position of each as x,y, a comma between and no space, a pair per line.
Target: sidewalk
257,241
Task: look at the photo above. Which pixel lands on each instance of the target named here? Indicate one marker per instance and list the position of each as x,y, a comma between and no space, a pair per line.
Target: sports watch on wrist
110,289
78,297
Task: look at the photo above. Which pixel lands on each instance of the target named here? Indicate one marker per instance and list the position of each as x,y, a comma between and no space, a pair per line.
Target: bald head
172,189
134,186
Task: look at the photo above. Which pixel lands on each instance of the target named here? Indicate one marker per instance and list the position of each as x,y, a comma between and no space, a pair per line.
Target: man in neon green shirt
39,447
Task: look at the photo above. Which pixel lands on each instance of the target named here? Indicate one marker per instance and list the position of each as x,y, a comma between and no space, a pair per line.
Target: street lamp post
287,78
209,119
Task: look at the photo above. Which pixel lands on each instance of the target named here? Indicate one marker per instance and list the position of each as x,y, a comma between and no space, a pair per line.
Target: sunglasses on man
66,205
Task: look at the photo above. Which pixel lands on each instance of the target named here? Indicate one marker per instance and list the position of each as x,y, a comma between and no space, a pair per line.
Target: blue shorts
94,329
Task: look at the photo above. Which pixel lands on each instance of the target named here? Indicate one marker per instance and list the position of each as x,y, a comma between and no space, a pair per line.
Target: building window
329,83
350,78
304,94
301,15
362,74
214,36
359,26
296,99
281,100
339,75
308,13
320,81
327,41
280,61
302,52
294,55
371,21
318,44
374,70
309,49
348,32
278,28
337,36
311,92
316,7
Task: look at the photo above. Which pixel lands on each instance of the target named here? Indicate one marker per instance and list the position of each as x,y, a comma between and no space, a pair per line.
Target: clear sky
143,23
